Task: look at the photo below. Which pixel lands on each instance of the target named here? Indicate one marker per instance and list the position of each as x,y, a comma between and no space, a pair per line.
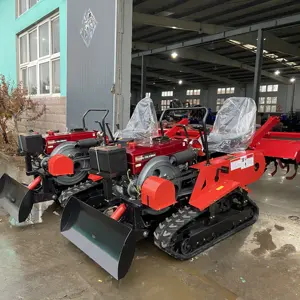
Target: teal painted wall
10,26
8,39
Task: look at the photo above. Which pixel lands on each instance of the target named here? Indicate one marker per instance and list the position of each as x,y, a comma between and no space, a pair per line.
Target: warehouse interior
200,53
217,64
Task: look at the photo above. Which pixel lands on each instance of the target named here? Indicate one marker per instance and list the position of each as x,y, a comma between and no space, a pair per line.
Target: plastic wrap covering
143,125
234,126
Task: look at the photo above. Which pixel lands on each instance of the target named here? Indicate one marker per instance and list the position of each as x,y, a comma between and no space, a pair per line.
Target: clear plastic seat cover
143,124
234,126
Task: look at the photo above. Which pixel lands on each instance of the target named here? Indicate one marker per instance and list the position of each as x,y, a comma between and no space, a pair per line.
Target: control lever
185,130
110,133
103,131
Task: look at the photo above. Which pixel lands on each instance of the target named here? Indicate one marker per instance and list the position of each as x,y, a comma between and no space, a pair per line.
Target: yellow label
220,187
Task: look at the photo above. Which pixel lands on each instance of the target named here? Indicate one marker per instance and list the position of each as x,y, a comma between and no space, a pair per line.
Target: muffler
109,243
15,198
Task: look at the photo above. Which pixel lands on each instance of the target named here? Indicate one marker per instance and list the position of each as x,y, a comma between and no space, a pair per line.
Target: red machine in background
280,148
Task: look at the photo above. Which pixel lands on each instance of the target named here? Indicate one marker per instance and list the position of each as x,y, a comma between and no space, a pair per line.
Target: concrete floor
261,262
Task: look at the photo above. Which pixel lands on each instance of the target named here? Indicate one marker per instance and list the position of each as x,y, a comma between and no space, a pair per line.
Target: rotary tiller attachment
15,198
286,166
108,242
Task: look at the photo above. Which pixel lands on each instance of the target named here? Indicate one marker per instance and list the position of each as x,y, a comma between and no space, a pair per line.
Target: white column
123,62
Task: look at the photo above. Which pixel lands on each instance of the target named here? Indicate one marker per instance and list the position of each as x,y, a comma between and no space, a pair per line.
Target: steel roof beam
136,71
211,57
175,67
271,43
152,86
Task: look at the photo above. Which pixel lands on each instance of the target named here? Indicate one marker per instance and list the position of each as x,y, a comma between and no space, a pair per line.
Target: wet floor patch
265,241
278,227
284,251
294,218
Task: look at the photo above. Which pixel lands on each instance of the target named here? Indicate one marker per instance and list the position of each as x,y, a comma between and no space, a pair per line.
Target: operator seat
234,126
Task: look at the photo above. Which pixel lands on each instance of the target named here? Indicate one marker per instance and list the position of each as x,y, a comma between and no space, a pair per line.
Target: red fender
243,168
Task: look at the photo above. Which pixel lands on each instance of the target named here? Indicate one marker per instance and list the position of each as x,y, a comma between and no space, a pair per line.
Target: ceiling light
174,54
293,79
174,27
277,72
180,82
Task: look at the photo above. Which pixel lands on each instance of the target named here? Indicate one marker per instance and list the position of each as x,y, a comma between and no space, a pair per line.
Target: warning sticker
249,162
242,163
236,164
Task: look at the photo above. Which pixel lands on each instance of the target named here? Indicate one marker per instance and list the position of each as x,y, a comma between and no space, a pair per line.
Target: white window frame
219,103
50,58
263,105
269,88
226,90
27,7
196,92
167,94
165,103
193,101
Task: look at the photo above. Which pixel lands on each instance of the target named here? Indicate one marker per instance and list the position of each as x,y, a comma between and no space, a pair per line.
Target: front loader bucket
15,198
109,243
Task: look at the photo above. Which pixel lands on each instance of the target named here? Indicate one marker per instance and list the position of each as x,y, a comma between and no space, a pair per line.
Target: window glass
33,45
56,77
44,39
44,78
55,36
263,88
36,56
24,78
32,2
32,80
22,6
23,49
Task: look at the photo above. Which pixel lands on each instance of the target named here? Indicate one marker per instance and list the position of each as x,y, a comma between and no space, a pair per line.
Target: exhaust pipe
109,243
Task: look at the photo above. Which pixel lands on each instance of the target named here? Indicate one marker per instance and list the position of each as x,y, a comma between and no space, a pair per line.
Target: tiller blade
281,164
15,198
295,173
287,169
109,243
276,168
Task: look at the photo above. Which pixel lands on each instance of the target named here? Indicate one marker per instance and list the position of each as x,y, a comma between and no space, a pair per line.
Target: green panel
8,19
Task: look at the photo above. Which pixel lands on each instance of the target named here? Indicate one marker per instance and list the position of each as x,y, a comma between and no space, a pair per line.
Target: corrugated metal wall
90,71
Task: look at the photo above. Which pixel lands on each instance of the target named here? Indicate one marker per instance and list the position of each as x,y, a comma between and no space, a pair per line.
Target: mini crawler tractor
53,174
166,191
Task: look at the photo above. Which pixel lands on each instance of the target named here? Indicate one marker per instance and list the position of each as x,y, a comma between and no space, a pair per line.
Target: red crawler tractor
185,197
165,191
44,159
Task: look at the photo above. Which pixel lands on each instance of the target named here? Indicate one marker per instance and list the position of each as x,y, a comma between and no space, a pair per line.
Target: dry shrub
14,101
